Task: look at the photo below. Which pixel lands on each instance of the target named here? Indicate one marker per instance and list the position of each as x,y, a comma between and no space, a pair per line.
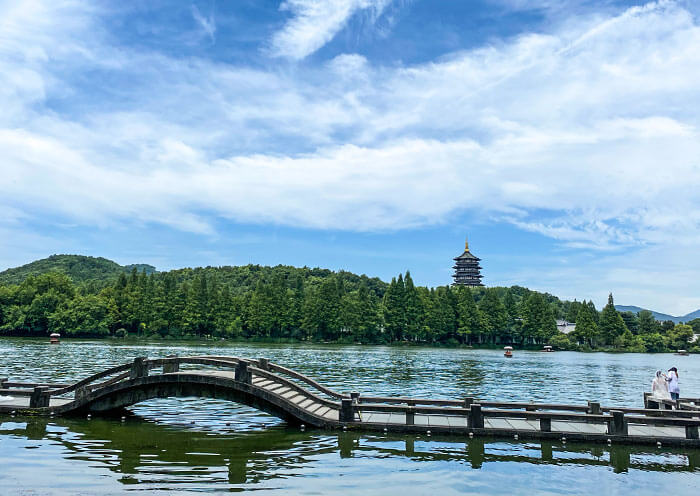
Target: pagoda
467,269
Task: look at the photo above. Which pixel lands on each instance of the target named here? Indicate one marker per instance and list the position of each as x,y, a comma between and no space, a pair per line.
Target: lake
196,445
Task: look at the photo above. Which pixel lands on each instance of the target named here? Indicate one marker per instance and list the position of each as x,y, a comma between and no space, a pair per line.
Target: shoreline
295,342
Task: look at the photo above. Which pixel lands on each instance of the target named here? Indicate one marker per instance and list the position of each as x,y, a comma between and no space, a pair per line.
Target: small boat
548,349
54,338
682,353
508,351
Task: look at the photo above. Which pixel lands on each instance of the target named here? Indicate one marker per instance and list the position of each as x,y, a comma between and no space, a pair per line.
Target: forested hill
95,297
79,268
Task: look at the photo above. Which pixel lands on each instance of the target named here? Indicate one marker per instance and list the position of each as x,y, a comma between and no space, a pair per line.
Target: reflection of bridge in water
299,399
255,457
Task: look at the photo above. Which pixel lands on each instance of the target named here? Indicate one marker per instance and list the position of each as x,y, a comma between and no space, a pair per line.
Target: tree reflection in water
141,450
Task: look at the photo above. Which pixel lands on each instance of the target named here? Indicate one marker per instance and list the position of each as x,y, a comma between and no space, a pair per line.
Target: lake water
186,445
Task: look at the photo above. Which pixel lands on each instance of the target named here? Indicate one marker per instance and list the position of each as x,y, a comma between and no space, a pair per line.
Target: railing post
617,425
691,432
347,413
594,408
410,415
3,381
264,363
468,402
355,397
40,397
476,417
139,368
242,373
81,393
173,366
545,424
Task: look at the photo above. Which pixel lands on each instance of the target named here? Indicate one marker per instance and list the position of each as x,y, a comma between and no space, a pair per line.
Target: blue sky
366,135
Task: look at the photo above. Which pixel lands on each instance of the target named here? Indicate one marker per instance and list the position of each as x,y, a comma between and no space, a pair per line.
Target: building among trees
467,269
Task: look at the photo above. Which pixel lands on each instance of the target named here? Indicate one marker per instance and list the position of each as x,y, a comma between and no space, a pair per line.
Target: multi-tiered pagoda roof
467,269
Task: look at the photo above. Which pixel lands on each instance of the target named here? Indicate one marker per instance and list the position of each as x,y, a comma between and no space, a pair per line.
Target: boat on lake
508,351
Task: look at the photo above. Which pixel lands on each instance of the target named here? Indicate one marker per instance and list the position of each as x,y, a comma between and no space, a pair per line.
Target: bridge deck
519,425
9,403
321,407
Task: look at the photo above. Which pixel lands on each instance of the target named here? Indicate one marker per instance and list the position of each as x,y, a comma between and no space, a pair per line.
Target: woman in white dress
659,386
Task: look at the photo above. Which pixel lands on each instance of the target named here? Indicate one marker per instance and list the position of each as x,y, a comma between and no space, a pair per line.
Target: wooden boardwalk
302,400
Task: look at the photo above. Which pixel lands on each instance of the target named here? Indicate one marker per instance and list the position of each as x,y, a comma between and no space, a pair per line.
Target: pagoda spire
466,243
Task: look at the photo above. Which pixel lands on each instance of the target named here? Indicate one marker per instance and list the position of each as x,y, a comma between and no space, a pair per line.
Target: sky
561,136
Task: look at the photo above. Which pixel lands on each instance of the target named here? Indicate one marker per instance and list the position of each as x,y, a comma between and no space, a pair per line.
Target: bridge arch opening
140,396
217,415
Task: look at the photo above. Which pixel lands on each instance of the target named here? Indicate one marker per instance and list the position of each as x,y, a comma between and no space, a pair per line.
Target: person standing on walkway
672,378
659,386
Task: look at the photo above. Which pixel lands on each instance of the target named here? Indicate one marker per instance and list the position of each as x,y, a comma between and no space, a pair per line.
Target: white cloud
316,22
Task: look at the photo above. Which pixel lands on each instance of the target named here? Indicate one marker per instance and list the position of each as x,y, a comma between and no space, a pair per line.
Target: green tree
629,342
611,324
495,317
322,310
586,328
393,309
631,321
593,312
196,313
695,324
539,324
468,315
441,316
680,336
654,342
82,316
262,312
574,309
359,315
646,322
561,341
413,310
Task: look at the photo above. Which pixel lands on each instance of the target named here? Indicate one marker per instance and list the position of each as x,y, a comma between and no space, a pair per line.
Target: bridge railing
243,368
617,423
266,365
293,386
272,367
592,407
40,393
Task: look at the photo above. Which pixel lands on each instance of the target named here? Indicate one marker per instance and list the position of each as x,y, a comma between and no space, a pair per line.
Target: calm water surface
195,445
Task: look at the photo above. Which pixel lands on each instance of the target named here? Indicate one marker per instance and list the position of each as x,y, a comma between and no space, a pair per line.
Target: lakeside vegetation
88,297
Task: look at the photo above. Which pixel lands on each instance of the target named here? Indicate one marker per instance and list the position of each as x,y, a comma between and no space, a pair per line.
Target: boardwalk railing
616,420
591,407
469,413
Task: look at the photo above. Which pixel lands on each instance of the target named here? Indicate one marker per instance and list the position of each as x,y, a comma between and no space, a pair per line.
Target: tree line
288,303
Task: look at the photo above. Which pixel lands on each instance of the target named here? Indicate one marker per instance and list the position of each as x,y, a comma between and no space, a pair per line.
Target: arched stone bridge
299,399
256,383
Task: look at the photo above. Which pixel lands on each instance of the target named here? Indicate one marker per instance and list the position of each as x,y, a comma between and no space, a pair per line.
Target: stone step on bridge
299,399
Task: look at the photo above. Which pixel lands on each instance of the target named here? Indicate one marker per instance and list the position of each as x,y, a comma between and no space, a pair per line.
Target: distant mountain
659,315
691,316
79,267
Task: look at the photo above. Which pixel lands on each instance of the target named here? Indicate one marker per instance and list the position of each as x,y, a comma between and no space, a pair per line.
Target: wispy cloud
316,22
207,24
